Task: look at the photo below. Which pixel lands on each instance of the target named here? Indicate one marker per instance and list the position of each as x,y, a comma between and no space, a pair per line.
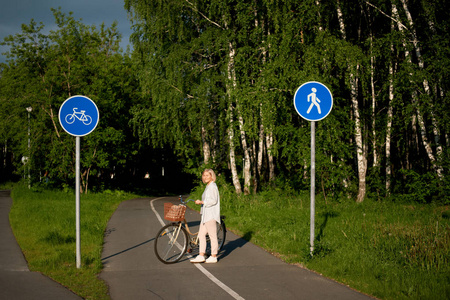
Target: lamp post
29,110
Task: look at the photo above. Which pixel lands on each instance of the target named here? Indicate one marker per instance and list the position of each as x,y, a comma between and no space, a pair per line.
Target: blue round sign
313,101
78,115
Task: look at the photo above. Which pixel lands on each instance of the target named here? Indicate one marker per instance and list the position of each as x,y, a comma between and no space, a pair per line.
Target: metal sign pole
77,199
313,184
313,102
78,116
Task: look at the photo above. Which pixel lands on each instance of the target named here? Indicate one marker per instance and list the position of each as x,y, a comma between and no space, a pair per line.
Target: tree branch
385,14
187,95
195,9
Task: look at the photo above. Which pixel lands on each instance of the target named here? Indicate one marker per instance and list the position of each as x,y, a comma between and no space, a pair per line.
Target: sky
14,13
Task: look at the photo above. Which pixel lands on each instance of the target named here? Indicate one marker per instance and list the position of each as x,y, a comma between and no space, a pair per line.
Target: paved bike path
16,280
244,271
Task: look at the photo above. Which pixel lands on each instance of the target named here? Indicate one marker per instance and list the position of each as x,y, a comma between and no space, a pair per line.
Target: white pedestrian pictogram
314,101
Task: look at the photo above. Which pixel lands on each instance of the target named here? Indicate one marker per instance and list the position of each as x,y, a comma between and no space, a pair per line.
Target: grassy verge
388,250
385,249
44,225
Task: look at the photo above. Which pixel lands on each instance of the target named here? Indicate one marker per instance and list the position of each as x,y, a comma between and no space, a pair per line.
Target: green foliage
422,188
201,62
43,71
201,70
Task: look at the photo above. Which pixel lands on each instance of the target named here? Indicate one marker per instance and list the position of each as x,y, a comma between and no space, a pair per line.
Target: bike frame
82,113
193,237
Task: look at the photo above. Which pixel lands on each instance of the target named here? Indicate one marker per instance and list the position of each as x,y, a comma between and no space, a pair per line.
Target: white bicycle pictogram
80,115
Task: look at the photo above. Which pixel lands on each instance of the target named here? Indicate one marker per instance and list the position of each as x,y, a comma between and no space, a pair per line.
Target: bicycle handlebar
187,201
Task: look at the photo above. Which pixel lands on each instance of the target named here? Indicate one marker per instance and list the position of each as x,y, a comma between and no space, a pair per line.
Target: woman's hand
198,202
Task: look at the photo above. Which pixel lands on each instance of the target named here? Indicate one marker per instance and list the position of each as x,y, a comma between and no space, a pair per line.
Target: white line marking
199,266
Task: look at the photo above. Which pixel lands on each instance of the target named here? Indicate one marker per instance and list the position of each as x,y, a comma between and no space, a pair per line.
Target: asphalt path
16,280
244,271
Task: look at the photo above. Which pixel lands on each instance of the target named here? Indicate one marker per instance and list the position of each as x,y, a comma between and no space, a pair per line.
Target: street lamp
29,110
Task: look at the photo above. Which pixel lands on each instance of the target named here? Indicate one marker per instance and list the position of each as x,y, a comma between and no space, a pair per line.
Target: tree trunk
254,168
205,147
390,114
420,120
372,87
247,161
269,144
361,149
230,88
389,120
260,149
234,173
426,85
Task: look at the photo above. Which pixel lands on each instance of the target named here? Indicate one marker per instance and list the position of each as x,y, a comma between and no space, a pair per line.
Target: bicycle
86,119
173,239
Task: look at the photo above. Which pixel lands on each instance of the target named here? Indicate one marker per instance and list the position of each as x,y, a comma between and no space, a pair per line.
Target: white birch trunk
361,152
260,143
420,119
234,173
269,144
247,162
389,118
372,87
232,81
254,168
426,88
261,149
206,148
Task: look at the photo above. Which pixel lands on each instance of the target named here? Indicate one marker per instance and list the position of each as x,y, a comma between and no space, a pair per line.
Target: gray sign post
313,102
78,116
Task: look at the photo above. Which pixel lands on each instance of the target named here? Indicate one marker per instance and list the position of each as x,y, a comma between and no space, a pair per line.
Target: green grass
44,225
384,249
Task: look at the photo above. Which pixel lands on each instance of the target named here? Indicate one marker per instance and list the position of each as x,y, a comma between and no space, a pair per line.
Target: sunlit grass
385,249
44,225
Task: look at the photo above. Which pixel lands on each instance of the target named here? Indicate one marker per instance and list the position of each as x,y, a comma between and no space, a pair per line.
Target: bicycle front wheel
171,243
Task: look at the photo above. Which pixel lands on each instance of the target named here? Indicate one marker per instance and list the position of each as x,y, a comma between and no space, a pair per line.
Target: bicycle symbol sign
78,115
86,119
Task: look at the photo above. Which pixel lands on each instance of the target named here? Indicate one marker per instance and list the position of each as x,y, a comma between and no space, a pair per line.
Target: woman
210,216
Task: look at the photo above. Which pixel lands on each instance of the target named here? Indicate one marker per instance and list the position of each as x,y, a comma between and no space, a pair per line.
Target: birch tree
414,96
361,148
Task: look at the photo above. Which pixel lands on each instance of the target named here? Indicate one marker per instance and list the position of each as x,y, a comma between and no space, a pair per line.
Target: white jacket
211,203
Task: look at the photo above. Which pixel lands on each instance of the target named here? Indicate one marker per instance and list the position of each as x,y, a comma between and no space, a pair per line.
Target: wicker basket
174,213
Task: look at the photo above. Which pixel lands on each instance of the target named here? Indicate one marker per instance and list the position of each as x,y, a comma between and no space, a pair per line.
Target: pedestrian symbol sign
313,101
78,115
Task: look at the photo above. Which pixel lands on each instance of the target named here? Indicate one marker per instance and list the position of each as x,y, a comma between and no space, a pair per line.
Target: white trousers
209,228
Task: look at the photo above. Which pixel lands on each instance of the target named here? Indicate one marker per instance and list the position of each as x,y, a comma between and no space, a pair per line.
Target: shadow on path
128,249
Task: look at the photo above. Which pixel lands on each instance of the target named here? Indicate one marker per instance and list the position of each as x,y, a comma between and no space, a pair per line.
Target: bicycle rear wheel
171,243
221,235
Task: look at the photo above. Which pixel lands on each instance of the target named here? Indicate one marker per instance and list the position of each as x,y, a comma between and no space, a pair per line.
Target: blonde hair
211,172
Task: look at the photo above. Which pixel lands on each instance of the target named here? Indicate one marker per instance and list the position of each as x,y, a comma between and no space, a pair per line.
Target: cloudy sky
14,13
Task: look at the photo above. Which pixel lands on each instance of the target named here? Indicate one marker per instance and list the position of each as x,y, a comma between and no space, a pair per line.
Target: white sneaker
211,260
198,259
